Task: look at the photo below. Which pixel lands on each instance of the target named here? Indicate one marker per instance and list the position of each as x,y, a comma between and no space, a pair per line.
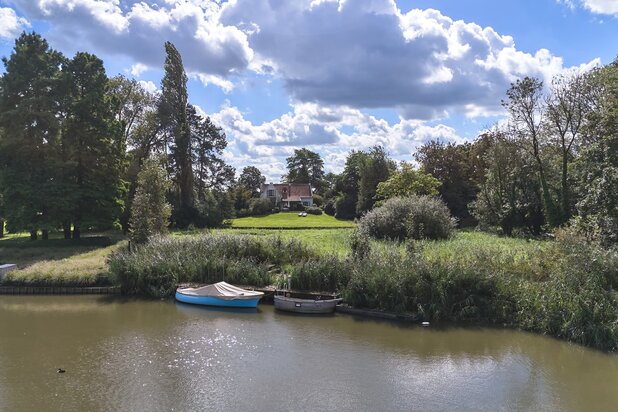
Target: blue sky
332,75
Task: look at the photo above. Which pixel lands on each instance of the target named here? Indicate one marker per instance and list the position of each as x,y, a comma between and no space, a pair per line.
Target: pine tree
30,120
93,149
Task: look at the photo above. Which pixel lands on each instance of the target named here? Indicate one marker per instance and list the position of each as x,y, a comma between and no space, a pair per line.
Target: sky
332,75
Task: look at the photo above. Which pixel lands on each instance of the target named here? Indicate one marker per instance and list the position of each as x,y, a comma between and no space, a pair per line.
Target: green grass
291,220
324,241
58,261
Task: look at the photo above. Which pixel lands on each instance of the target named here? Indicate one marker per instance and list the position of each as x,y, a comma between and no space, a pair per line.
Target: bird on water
60,370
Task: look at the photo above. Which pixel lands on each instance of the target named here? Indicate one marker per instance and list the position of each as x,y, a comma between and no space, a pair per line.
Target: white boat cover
220,290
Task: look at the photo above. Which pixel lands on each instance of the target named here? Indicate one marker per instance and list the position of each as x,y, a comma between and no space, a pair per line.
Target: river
137,355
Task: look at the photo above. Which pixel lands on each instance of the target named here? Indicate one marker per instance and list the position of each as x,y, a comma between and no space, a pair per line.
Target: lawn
290,220
58,261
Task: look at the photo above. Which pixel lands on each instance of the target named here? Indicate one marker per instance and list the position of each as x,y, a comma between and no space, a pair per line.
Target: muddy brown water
137,355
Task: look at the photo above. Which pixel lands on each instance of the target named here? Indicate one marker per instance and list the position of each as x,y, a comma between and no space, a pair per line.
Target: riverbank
560,288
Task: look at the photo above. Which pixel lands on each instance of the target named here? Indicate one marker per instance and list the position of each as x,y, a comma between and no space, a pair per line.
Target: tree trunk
33,235
1,228
566,198
45,234
66,229
76,232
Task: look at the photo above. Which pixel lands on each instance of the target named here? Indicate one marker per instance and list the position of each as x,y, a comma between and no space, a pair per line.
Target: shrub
416,217
260,206
318,200
312,210
329,207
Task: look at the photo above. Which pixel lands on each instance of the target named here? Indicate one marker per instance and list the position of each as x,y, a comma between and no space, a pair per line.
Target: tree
525,104
509,196
207,144
92,147
377,167
251,179
305,166
30,118
172,112
406,182
347,185
597,166
459,168
150,213
135,109
567,107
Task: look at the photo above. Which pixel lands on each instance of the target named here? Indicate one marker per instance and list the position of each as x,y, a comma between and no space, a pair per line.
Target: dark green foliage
92,146
597,166
174,123
459,168
150,212
260,206
251,180
329,207
312,210
305,167
416,217
30,108
510,195
376,168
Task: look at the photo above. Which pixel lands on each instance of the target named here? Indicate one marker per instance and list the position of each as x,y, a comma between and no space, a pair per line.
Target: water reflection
158,355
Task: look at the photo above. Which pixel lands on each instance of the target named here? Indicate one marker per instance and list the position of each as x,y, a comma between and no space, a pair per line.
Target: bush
329,207
318,200
312,210
260,206
415,217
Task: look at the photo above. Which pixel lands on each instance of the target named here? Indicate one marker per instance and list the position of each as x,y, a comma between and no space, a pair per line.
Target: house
288,195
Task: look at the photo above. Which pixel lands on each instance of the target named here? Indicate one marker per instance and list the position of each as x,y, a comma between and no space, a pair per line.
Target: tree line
73,142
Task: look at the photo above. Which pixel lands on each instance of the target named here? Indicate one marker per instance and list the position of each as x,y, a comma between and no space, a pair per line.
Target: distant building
288,195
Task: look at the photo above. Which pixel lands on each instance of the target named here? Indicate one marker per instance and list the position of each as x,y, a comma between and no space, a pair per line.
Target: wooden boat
219,294
300,305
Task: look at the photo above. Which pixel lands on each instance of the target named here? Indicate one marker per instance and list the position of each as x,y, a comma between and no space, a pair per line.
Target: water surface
131,355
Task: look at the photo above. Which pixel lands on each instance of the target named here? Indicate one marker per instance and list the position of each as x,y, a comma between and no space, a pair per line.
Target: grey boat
292,304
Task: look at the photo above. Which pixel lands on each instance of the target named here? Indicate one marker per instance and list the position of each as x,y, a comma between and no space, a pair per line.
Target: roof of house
293,191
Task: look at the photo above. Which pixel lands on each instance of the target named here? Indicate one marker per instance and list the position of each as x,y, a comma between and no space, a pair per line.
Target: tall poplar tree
174,123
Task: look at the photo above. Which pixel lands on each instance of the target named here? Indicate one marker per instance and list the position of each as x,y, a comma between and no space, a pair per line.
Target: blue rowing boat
219,294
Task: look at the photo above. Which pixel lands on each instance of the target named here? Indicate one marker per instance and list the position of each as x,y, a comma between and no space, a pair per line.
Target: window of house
306,203
270,193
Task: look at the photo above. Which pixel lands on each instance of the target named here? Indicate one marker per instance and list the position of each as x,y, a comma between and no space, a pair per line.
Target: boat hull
239,302
296,305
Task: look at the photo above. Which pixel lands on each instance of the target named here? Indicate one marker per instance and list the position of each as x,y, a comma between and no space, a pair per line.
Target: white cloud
361,53
138,68
368,54
608,7
10,23
331,131
139,30
602,6
148,86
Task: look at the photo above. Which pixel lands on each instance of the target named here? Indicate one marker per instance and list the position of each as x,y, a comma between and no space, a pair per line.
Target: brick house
288,195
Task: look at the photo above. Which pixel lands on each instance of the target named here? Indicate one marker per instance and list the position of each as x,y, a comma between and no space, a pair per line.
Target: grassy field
291,220
57,261
60,262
